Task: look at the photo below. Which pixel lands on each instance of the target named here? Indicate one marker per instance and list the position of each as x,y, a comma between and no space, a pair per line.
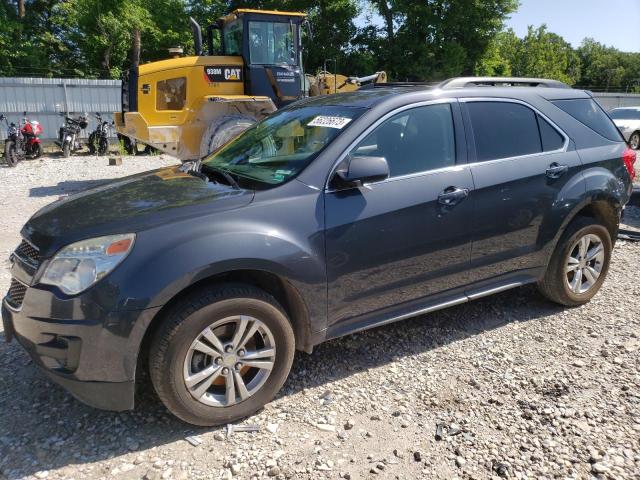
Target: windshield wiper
223,173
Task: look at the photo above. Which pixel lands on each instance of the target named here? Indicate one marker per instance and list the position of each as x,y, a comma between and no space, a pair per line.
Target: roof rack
462,82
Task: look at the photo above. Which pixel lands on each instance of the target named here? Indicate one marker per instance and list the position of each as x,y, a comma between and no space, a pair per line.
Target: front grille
28,252
16,292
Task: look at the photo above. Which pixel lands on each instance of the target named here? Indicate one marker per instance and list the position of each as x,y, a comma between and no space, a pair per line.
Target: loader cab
269,44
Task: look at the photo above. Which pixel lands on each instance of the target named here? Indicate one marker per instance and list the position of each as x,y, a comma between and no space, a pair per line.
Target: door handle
452,196
556,170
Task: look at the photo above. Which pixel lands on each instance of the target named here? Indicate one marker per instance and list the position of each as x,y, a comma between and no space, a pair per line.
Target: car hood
129,205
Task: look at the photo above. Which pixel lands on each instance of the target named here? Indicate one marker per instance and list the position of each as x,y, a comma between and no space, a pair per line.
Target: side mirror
361,170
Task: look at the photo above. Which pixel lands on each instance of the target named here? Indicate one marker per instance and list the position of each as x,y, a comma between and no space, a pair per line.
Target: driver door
399,240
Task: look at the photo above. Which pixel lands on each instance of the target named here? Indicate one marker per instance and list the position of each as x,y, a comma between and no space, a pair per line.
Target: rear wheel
221,354
579,265
10,153
634,140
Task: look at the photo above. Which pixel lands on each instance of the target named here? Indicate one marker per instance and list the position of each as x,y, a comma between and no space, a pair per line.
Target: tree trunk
21,8
135,47
387,15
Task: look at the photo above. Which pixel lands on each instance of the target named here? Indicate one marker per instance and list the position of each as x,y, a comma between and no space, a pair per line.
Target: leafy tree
539,54
436,38
548,55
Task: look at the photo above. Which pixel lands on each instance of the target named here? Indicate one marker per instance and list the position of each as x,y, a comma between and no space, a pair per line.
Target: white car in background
627,119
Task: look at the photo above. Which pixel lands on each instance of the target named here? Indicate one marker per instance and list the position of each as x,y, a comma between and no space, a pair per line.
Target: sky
612,22
616,23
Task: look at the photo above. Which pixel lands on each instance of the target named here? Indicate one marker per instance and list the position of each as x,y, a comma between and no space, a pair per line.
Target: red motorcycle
23,142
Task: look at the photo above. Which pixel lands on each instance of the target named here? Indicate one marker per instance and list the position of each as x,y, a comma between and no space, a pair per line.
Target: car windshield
625,114
278,148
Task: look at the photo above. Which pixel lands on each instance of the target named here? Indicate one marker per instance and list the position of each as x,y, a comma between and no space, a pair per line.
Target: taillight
629,159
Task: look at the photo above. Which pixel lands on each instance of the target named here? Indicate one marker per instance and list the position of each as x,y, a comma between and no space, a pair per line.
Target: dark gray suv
333,215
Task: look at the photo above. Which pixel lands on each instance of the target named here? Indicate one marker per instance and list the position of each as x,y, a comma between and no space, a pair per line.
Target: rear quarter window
589,113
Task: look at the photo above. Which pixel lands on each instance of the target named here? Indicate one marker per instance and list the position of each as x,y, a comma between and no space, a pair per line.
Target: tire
10,153
172,355
557,284
36,151
91,143
634,140
66,149
223,130
103,146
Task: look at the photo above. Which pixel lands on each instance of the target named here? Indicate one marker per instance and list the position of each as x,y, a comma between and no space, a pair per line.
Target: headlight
78,266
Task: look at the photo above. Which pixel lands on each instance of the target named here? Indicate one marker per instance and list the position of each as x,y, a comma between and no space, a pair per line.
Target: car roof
379,94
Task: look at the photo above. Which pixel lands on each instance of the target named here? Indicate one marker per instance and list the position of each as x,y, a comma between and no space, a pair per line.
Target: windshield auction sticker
329,122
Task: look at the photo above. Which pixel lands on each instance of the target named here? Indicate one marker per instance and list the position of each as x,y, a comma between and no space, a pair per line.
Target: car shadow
65,187
44,428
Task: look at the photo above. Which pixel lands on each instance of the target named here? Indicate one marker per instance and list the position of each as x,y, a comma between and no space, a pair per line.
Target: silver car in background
627,120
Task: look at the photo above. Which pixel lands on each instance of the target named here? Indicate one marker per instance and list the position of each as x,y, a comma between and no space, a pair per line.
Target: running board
451,301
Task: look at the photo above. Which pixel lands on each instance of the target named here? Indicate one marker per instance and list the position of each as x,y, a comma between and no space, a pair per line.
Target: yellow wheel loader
189,106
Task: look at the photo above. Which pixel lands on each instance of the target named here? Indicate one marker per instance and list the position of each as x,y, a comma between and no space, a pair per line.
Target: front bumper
90,352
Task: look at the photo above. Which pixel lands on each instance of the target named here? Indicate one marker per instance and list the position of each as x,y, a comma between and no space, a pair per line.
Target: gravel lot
510,386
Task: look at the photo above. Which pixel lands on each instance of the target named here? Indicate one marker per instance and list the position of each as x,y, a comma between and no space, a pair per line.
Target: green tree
548,55
437,38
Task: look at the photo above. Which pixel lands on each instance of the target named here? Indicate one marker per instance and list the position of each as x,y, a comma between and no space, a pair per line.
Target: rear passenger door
520,165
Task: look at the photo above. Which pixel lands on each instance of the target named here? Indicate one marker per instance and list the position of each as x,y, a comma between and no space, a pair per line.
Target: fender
600,186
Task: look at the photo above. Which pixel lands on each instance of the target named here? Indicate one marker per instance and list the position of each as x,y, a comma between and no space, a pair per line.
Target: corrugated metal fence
614,100
44,99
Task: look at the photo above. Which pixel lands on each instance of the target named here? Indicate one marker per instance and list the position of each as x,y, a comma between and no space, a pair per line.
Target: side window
413,141
171,94
588,112
551,138
503,130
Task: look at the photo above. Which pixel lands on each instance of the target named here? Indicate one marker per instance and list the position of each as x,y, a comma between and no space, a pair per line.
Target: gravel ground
510,386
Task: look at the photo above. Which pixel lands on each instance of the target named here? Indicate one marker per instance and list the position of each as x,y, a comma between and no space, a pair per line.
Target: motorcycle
99,138
69,134
22,142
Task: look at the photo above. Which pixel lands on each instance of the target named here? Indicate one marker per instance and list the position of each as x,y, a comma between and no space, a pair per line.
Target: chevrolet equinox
333,215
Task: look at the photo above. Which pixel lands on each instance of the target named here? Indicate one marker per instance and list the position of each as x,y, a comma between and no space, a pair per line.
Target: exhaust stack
197,36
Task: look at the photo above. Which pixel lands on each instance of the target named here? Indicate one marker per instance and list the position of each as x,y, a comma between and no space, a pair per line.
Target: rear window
503,130
588,112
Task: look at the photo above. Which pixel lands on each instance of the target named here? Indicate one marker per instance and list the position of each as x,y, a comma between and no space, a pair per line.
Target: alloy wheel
229,361
584,263
634,141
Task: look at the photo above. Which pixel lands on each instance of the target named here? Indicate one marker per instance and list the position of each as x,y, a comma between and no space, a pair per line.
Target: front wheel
634,140
579,265
221,354
103,146
36,150
10,153
66,149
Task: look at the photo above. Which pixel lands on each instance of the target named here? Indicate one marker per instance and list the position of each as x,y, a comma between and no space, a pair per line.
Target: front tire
221,354
103,146
579,265
36,151
223,130
66,149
